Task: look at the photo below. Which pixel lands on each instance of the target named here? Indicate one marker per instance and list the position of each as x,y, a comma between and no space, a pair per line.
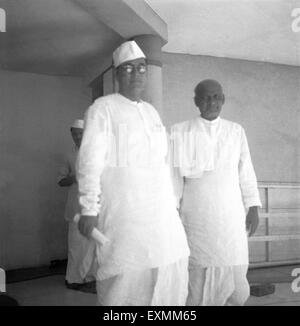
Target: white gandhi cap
126,52
78,124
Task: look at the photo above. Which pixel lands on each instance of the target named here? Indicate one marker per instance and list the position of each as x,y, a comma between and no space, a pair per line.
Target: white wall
35,114
263,97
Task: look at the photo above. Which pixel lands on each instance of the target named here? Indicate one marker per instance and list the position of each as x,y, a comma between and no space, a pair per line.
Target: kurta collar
132,102
210,123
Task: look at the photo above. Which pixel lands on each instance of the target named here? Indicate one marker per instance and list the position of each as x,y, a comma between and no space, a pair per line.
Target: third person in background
218,200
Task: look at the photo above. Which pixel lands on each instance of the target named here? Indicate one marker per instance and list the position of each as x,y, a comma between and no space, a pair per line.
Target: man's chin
211,116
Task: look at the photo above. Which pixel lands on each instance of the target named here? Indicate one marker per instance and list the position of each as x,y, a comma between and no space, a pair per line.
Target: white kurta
65,170
123,176
216,189
80,263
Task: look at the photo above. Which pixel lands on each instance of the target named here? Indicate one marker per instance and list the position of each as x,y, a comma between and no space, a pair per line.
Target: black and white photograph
150,155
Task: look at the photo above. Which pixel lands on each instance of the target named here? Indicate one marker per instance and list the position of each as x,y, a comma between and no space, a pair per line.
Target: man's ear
196,100
223,99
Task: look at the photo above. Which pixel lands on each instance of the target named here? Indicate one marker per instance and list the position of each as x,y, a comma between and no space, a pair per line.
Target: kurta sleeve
247,177
92,158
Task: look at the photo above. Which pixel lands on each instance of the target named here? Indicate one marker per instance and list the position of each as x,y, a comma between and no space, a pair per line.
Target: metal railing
267,214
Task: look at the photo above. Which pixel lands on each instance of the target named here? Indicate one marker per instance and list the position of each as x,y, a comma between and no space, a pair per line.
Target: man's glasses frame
129,68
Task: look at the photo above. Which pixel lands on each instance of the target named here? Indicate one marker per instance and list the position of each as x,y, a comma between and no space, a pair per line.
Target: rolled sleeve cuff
253,202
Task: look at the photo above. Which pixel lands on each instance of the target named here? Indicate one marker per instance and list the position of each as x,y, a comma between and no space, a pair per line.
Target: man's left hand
252,220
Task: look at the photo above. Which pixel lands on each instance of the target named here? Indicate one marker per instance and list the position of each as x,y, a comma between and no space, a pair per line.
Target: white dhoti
78,252
163,286
219,249
218,286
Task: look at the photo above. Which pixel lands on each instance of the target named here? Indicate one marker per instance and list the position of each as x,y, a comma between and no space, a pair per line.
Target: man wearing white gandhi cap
77,278
130,198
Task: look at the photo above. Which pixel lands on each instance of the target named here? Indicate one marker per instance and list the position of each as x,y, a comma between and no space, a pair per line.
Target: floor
282,278
50,290
283,296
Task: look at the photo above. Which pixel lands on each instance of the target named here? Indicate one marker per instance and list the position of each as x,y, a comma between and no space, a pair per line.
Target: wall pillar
151,45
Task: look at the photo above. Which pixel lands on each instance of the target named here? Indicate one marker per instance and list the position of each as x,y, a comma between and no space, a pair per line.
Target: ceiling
52,36
258,30
71,37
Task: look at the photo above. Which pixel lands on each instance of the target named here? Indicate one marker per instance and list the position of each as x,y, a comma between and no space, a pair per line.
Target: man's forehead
209,87
134,62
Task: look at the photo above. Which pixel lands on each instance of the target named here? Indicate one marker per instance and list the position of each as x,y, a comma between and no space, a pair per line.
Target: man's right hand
67,181
86,224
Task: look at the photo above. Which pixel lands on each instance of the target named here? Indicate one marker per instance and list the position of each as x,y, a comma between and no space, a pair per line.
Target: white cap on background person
78,124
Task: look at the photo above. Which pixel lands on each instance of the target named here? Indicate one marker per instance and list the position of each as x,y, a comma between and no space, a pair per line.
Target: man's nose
212,100
135,71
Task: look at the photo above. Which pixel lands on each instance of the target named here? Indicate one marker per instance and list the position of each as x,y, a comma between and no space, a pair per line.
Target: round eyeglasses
129,68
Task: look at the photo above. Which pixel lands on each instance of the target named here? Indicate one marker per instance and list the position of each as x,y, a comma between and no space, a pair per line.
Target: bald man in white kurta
216,186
